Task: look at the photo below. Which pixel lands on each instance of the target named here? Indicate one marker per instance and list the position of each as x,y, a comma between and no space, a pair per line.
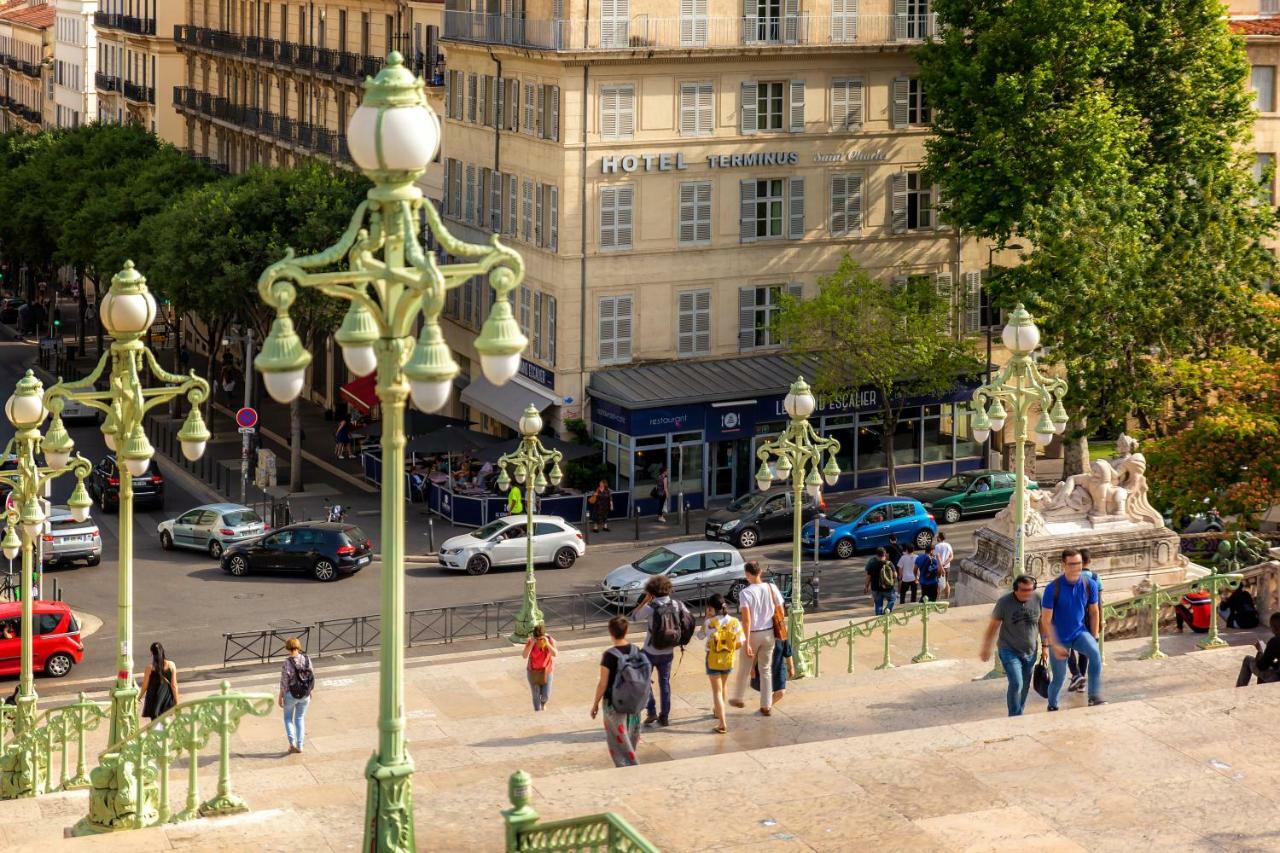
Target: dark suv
104,486
758,517
323,549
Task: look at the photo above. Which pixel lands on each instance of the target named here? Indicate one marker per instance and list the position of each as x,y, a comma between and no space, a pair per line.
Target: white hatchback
504,542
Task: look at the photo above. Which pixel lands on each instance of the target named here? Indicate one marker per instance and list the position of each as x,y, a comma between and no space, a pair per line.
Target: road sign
50,343
247,419
247,430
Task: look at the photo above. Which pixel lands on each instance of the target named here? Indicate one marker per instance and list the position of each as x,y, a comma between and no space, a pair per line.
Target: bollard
815,582
684,511
636,515
431,535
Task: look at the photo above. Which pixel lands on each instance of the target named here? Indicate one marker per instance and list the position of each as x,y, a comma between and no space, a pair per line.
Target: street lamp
799,451
527,463
1020,387
380,267
26,412
127,312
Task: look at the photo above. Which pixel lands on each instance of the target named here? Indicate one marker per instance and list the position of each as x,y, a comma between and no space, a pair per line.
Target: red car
56,646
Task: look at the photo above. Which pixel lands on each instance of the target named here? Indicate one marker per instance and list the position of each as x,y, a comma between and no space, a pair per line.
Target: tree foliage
870,334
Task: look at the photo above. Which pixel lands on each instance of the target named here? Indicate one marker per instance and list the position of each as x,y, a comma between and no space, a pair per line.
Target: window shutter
448,94
524,310
513,193
796,228
846,105
853,206
856,96
702,321
795,290
609,112
538,207
554,131
626,111
703,212
622,315
541,129
791,22
513,104
471,98
748,107
684,326
899,20
471,193
626,200
482,100
746,318
839,224
747,209
844,21
797,106
898,202
706,108
607,330
943,287
526,225
972,301
693,22
688,105
899,105
688,214
457,189
500,104
749,20
614,22
536,342
553,218
495,203
939,221
608,217
529,125
482,200
447,185
549,340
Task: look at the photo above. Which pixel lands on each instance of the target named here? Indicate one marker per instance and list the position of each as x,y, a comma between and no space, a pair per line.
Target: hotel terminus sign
612,164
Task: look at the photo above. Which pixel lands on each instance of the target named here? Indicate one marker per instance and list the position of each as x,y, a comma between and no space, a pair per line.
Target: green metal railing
885,624
130,785
601,833
27,762
1153,602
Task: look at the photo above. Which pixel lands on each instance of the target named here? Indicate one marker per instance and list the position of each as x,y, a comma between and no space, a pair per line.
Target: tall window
695,213
769,204
614,315
919,203
766,20
1263,80
846,205
758,308
697,109
693,22
616,216
769,105
693,330
617,111
918,111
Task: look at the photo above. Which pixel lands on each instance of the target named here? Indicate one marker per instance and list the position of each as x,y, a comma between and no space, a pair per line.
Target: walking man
945,553
893,550
757,603
1071,619
1077,663
1266,664
929,571
882,581
1016,621
664,618
907,573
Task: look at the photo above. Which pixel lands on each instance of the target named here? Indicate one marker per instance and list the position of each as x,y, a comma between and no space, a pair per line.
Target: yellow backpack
723,644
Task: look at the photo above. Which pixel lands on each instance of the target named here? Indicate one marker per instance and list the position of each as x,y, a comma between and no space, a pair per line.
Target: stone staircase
917,757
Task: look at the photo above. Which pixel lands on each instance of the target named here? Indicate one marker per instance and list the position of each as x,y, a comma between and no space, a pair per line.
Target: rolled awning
361,393
507,402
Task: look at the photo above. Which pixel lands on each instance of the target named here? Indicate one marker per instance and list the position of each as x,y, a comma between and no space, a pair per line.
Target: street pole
246,439
799,451
393,136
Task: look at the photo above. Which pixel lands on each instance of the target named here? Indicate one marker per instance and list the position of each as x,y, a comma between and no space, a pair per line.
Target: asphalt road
184,600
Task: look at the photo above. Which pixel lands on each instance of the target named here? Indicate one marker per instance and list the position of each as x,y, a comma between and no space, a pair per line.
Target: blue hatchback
866,523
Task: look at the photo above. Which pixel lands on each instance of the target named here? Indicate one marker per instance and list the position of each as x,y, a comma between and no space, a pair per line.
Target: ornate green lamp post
527,464
127,312
26,411
1017,390
381,268
799,452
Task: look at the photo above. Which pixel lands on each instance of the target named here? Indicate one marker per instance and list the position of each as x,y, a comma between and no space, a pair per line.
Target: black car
758,517
104,486
9,309
323,549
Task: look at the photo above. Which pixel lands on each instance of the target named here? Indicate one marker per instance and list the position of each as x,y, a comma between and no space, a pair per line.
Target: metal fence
262,646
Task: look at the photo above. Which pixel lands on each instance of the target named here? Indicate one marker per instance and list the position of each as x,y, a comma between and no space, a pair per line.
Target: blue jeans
662,669
884,601
541,692
1017,668
1086,645
295,712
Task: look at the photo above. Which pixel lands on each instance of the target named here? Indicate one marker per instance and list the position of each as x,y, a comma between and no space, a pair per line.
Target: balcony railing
138,26
30,69
108,20
682,33
292,54
320,140
138,92
106,82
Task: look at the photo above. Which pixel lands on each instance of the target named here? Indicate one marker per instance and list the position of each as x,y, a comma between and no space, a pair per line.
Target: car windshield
958,483
241,517
489,529
65,522
656,562
848,512
748,502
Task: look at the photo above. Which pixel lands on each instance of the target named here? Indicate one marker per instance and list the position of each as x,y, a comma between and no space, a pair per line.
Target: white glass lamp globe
193,450
127,313
25,410
109,439
360,360
981,435
530,423
80,513
410,136
815,490
137,467
57,458
430,396
799,405
285,385
1023,338
499,369
11,547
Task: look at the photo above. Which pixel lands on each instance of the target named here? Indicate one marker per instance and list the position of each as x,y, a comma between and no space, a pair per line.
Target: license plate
143,483
362,561
71,539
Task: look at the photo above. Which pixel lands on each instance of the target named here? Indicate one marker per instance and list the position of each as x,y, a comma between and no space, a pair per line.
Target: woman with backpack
540,652
159,684
297,680
623,689
724,637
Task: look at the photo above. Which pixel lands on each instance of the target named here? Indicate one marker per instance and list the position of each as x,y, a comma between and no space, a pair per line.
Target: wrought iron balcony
285,128
139,93
138,26
106,82
294,55
108,20
29,68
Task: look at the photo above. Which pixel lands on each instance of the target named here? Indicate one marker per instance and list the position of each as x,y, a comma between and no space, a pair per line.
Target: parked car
75,412
757,517
971,493
689,565
56,644
69,541
212,528
104,486
502,542
9,309
323,549
866,523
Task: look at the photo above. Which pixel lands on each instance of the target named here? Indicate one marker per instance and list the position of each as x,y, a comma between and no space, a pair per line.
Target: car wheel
215,549
478,565
58,665
238,566
735,589
93,561
166,541
951,515
748,538
844,549
565,558
924,539
324,570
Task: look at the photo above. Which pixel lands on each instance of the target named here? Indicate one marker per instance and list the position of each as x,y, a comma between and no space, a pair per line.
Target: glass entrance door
731,473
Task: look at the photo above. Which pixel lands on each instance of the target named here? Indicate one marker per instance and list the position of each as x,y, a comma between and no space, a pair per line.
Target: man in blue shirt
1071,618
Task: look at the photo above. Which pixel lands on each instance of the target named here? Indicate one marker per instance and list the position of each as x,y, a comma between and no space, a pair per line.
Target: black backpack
670,625
301,679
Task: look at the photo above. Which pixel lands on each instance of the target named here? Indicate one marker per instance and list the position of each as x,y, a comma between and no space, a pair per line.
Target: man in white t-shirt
943,551
907,574
756,604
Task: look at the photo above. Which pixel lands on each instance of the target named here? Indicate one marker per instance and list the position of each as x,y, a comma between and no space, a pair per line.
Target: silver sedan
211,528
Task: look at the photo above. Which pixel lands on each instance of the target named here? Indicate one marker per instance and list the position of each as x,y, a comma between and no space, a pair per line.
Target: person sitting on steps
1265,665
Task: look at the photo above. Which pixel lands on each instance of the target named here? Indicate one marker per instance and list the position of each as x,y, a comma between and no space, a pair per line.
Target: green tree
870,334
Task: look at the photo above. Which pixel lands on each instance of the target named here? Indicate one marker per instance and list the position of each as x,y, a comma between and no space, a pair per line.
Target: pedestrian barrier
605,833
262,646
1155,606
811,647
26,764
130,785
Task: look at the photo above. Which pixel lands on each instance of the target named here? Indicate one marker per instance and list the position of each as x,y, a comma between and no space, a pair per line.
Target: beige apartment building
75,92
26,45
137,62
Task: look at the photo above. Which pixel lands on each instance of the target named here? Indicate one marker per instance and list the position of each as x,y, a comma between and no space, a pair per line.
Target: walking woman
601,502
724,637
662,492
540,652
621,728
297,680
342,439
159,684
